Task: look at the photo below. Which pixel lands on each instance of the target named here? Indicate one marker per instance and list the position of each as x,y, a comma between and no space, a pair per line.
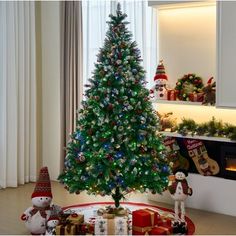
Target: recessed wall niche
187,39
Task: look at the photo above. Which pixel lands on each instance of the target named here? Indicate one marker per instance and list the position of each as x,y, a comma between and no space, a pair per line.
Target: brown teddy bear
167,122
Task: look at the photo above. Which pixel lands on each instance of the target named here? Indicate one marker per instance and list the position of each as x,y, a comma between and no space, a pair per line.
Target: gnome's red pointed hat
43,184
54,216
160,72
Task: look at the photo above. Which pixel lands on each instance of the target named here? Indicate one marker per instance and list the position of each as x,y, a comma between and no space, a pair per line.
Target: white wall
51,123
187,41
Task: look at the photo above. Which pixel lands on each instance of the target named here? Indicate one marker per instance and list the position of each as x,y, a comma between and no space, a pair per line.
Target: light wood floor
13,202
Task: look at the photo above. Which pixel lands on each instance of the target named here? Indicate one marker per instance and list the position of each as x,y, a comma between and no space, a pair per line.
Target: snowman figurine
159,90
179,191
36,216
52,222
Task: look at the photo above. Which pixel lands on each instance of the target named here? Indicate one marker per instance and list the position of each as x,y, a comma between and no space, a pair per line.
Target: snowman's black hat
181,170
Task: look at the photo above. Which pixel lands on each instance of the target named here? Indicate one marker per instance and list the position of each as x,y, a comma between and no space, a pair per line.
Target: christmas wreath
187,85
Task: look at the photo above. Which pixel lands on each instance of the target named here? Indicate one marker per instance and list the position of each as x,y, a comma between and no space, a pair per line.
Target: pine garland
212,128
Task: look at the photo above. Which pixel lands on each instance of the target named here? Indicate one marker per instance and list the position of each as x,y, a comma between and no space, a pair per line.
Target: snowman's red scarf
42,211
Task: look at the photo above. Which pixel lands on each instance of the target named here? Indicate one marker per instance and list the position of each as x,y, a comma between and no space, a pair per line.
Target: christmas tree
115,150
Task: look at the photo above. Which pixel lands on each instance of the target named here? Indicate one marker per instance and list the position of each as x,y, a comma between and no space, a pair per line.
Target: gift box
85,229
69,224
196,97
159,230
171,95
69,229
116,226
144,220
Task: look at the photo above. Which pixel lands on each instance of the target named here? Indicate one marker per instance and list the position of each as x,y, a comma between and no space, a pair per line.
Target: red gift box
159,230
196,97
171,95
144,220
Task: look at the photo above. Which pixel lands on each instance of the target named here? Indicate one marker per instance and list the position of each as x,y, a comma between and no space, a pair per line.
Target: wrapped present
144,220
116,226
196,97
86,228
69,229
69,224
171,95
159,230
76,218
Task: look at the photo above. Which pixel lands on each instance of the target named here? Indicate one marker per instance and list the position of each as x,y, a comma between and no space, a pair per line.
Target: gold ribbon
141,229
152,214
110,226
108,216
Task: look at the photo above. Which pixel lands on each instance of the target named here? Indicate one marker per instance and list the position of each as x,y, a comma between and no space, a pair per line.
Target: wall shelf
177,135
177,102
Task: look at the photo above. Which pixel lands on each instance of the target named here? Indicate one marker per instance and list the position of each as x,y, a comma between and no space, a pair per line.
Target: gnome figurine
36,216
52,222
159,90
179,191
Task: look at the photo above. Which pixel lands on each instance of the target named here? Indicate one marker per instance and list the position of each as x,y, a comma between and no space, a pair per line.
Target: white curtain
142,25
17,93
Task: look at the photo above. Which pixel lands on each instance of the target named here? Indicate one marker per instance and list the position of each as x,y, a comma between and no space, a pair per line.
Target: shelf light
186,4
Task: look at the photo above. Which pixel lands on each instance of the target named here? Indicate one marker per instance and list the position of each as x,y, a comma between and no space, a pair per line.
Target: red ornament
90,132
110,107
113,123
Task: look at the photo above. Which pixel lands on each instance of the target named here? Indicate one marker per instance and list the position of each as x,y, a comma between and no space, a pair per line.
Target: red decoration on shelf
196,97
171,95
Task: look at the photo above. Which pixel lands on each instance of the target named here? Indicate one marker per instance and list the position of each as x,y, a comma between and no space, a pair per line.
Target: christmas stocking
174,155
197,151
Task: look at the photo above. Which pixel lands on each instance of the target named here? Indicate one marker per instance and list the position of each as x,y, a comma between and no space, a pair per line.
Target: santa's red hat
210,80
43,184
160,72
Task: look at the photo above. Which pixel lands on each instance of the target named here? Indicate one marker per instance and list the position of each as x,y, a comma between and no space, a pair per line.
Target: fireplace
224,153
228,161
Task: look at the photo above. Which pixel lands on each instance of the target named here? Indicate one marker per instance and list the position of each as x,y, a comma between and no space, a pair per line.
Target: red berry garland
188,84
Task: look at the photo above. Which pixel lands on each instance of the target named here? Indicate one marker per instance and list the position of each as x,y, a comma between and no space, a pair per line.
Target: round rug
89,210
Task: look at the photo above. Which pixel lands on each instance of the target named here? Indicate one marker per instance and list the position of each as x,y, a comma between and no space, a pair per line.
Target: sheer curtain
142,24
17,93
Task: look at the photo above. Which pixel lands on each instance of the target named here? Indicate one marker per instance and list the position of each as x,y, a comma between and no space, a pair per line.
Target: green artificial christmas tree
115,150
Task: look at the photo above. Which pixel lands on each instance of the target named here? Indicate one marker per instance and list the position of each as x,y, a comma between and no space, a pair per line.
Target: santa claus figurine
159,90
36,216
179,191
